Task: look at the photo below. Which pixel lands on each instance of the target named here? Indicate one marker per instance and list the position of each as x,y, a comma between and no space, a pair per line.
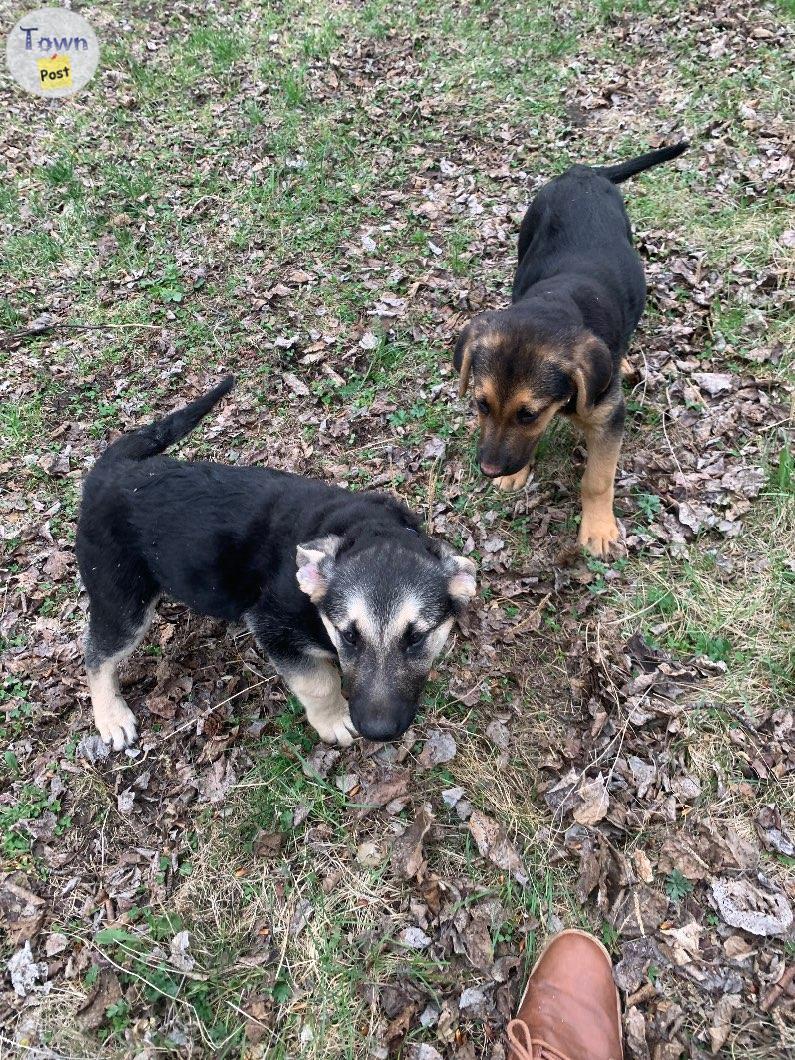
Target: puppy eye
483,406
350,635
525,416
415,637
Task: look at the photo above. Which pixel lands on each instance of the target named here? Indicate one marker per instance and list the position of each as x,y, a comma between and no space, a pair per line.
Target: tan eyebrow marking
407,615
523,399
486,390
359,613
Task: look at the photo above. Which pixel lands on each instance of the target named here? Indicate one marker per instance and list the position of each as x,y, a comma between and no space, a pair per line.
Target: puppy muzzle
498,469
496,464
491,470
382,721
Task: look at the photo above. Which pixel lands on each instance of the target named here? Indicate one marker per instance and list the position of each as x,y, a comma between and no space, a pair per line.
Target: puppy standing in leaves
578,295
326,580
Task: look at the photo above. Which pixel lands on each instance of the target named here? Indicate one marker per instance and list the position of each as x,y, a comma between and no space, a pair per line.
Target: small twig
457,699
75,327
432,477
147,982
644,382
520,627
778,989
251,1019
33,1048
381,443
665,434
373,361
778,423
210,710
629,618
646,993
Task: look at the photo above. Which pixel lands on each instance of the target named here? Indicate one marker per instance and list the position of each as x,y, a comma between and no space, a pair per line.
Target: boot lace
523,1047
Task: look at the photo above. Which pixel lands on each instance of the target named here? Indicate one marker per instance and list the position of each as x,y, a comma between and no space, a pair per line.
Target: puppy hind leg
114,720
111,639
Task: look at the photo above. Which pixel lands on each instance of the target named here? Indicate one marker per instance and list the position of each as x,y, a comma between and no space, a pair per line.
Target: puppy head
388,608
525,371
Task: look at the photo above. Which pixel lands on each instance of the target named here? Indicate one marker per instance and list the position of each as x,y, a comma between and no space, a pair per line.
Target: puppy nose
490,470
380,730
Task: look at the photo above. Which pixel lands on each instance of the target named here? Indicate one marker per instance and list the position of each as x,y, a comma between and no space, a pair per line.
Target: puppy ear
315,561
593,373
462,585
462,358
460,571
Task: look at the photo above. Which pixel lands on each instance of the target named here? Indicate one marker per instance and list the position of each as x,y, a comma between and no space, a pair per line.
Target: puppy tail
157,436
624,170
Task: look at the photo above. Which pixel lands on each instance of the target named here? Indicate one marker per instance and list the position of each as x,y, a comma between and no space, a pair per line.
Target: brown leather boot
570,1008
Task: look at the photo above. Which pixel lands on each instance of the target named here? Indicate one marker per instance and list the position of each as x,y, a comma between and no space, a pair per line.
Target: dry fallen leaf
424,1052
25,973
758,908
393,785
56,943
370,854
57,565
635,1033
492,841
643,865
302,914
638,910
684,941
440,747
21,911
414,938
714,383
105,991
722,1015
475,935
297,385
434,449
259,1015
320,762
772,833
180,957
267,844
407,853
637,956
593,801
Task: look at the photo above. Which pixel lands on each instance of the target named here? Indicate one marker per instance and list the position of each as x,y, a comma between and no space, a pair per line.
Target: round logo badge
53,52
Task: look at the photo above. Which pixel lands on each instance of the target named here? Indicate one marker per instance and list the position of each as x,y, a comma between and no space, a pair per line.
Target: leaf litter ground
317,197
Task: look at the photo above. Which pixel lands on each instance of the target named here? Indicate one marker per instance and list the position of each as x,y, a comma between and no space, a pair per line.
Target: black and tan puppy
578,294
327,581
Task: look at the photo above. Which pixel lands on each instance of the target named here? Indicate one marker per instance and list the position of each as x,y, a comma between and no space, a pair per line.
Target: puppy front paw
506,483
334,726
116,724
599,534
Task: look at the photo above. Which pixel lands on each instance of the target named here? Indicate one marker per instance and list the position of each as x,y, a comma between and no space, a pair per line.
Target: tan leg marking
598,529
319,692
112,717
514,482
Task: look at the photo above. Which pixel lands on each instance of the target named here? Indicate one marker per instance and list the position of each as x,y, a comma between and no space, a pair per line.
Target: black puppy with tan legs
578,295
